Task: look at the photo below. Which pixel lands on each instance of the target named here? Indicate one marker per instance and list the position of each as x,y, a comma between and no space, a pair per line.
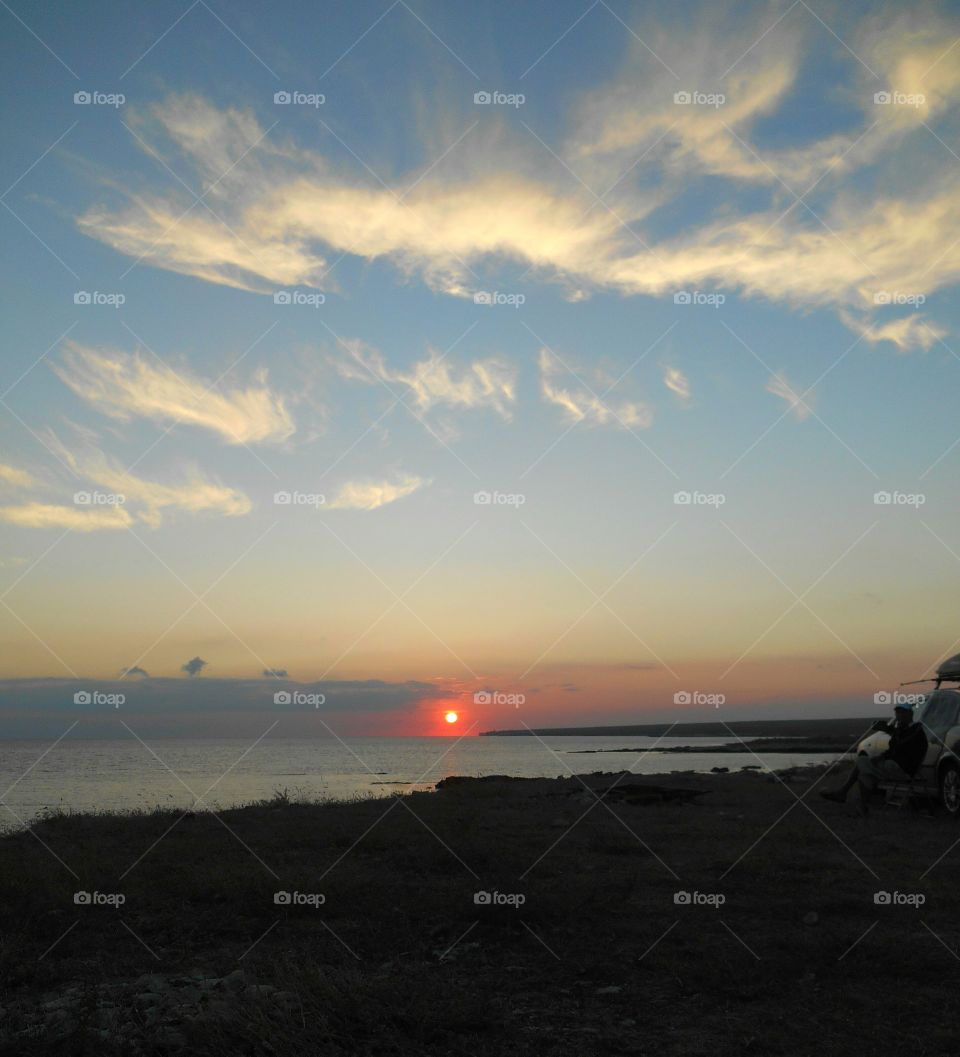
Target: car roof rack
948,672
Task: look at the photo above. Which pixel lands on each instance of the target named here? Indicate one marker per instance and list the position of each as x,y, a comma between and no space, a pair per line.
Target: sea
79,775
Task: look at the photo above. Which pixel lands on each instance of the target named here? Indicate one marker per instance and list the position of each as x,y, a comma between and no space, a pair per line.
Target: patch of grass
401,958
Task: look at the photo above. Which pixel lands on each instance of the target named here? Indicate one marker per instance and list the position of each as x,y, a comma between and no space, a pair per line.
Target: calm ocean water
84,775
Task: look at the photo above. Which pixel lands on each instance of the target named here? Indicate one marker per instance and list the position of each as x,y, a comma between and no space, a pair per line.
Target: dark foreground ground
400,959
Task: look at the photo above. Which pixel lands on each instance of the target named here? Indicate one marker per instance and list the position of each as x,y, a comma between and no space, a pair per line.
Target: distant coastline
753,728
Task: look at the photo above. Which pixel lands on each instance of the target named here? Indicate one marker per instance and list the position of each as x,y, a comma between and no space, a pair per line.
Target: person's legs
869,773
863,768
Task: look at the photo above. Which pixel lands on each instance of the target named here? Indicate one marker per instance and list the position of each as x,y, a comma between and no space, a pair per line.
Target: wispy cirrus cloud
800,404
14,477
196,493
434,381
677,382
79,519
126,386
580,404
907,332
370,495
127,499
288,208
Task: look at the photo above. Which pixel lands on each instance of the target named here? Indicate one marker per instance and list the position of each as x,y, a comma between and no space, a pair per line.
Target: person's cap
902,708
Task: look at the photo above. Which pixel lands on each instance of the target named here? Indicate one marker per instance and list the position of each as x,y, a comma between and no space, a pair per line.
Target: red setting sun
451,717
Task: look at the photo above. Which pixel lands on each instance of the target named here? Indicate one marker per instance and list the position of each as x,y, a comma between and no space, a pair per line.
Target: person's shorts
873,769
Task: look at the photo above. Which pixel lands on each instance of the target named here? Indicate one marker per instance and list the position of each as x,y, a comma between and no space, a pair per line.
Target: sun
451,717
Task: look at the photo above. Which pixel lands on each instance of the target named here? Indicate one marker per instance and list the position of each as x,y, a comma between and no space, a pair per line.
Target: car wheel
950,788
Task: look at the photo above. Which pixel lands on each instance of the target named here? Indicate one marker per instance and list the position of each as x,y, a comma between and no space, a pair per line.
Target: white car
939,713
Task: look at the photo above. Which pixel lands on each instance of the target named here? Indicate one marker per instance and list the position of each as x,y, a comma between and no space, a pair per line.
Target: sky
579,364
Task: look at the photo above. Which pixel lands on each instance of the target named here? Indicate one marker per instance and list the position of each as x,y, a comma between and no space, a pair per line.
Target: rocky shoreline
599,914
786,746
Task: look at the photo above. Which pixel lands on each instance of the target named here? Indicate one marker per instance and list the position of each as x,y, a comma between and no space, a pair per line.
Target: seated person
901,761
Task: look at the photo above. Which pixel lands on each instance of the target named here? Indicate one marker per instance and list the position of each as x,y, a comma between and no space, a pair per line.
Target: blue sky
737,157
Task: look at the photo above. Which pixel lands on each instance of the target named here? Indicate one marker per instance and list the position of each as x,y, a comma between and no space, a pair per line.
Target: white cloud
581,404
799,403
369,495
15,478
80,519
147,500
434,381
907,333
677,382
288,208
126,386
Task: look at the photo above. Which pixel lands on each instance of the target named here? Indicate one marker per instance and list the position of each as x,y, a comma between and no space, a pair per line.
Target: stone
152,982
234,981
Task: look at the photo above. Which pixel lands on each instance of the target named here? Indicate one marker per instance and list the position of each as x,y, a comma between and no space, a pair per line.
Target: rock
56,1004
186,996
234,981
258,990
147,998
720,770
152,982
811,917
613,989
171,1037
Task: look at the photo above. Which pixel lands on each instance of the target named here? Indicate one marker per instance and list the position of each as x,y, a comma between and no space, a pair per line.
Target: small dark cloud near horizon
570,688
194,666
276,673
135,670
